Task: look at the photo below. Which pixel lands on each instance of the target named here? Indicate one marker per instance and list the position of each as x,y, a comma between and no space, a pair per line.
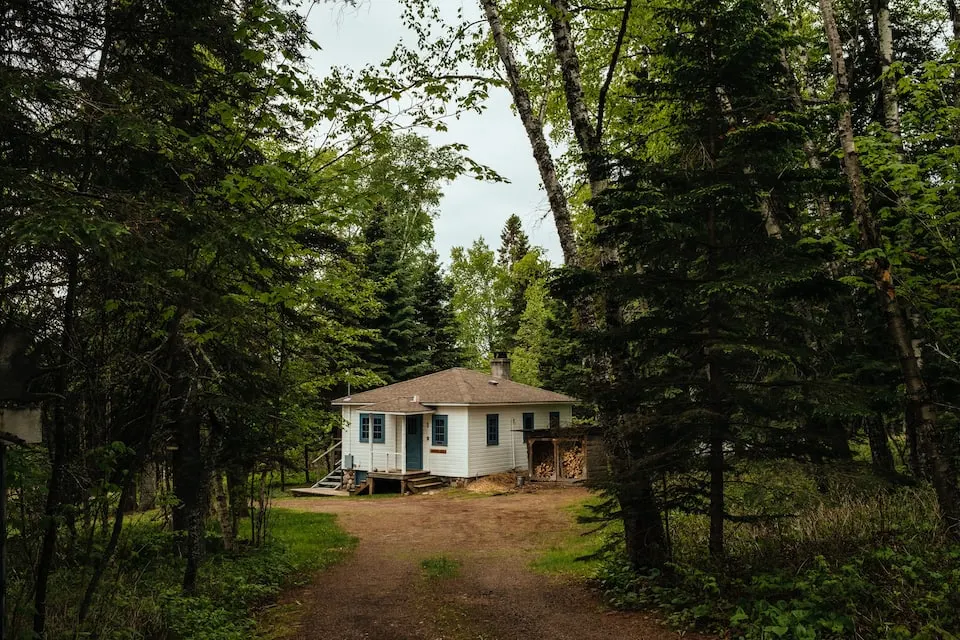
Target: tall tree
477,297
514,247
436,317
711,302
396,350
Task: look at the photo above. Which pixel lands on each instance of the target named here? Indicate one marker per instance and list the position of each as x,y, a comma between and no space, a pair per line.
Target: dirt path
381,593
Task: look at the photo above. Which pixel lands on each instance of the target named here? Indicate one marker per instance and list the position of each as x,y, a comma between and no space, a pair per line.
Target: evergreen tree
437,323
396,349
514,247
711,335
514,243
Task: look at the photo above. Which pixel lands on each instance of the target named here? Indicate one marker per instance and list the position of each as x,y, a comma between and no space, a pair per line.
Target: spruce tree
395,350
514,247
710,341
437,324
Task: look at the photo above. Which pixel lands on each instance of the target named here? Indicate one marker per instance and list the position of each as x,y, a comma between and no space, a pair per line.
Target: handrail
332,447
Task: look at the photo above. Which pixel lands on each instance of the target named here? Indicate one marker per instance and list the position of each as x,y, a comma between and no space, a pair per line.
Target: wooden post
370,482
402,426
556,460
306,463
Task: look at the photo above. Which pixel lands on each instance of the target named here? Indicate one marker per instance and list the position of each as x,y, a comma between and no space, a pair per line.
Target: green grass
141,595
569,554
311,541
440,567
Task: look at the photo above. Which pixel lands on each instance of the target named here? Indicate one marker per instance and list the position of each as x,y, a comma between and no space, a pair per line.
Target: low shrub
143,600
857,562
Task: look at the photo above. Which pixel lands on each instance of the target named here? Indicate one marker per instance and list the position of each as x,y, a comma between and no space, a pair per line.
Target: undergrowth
145,601
863,560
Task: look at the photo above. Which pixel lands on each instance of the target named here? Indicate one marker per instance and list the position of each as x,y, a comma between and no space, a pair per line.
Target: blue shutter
379,427
493,429
364,427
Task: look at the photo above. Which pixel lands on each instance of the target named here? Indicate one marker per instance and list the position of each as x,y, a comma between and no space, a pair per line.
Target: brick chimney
500,365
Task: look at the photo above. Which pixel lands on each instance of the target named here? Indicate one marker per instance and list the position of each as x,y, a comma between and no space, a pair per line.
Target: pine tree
711,335
395,350
514,243
514,247
437,324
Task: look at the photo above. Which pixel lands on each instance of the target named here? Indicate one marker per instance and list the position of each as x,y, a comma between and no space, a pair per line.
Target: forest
758,303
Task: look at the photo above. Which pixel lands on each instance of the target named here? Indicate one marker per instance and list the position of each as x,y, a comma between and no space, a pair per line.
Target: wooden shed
567,455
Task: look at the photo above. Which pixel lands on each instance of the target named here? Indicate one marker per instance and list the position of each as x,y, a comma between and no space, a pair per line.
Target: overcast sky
470,209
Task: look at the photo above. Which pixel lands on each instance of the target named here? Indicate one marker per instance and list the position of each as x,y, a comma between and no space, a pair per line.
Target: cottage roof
398,405
458,386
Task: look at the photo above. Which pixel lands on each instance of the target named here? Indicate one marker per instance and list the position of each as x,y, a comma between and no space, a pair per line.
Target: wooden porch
412,481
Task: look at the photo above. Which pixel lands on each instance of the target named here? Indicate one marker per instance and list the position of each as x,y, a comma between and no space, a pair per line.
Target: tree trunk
879,445
237,494
644,536
224,515
888,83
58,472
943,473
104,560
583,129
954,19
148,487
716,464
538,141
189,486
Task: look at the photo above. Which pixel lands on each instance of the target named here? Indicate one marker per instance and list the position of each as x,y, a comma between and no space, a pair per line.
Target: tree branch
614,59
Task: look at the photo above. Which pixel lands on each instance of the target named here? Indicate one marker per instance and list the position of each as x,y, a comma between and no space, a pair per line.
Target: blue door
414,443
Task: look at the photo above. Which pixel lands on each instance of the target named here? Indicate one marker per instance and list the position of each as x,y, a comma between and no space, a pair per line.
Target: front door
414,443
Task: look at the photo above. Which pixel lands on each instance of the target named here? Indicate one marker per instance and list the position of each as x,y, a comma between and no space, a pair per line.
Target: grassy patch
575,553
142,597
440,567
311,541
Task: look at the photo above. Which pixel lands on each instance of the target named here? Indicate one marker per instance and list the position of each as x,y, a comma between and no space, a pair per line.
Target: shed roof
459,386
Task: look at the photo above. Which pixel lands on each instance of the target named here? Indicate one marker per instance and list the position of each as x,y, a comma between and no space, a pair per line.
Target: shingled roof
458,386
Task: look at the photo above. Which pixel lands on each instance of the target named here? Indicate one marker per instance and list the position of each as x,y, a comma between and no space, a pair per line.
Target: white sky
367,34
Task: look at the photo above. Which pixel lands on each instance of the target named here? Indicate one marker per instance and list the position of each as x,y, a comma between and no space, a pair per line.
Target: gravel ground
381,592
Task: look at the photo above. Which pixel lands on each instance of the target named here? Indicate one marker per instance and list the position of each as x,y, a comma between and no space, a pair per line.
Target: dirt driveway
381,593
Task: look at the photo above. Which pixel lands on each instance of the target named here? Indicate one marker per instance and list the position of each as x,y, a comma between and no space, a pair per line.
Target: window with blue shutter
493,429
364,427
379,421
528,422
439,435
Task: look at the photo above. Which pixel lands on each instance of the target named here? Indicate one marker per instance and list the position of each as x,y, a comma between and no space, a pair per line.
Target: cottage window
528,422
378,427
493,429
364,427
439,431
554,419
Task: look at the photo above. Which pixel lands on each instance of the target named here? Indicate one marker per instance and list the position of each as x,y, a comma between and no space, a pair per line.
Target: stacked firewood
571,460
544,469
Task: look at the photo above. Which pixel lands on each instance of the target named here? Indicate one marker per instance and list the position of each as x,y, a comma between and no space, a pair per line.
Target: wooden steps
424,482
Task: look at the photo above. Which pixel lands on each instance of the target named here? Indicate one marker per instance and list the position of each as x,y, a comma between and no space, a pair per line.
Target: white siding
466,454
511,452
453,461
383,453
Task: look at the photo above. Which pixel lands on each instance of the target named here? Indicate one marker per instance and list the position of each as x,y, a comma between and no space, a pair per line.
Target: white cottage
457,423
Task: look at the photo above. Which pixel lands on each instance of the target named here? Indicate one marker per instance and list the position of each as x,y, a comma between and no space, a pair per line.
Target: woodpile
571,459
544,469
